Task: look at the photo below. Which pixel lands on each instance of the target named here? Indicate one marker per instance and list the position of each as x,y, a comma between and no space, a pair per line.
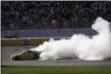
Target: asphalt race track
7,51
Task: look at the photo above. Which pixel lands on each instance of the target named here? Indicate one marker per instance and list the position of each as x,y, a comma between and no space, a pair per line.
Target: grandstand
50,18
52,14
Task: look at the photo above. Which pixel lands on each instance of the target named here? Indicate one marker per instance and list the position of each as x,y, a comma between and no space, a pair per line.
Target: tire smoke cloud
97,47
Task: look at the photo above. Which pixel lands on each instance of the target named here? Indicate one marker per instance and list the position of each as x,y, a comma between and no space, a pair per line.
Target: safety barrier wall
24,42
24,37
28,33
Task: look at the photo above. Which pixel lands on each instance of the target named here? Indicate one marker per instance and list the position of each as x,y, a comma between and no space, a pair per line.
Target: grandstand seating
52,14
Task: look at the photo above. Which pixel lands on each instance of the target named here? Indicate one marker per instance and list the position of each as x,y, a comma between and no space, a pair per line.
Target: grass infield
55,70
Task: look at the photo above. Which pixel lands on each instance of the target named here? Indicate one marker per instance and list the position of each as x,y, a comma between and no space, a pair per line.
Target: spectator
41,14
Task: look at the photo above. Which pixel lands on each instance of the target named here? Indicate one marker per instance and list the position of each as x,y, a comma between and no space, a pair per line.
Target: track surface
7,51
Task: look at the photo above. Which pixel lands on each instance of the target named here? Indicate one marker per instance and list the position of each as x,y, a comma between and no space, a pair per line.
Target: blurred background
50,18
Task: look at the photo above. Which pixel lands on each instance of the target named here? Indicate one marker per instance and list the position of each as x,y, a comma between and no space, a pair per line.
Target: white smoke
79,45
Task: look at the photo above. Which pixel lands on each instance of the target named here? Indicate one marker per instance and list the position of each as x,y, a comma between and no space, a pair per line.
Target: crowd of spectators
52,14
